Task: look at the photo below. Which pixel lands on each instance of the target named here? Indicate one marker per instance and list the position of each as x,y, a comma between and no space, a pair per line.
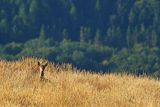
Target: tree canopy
111,34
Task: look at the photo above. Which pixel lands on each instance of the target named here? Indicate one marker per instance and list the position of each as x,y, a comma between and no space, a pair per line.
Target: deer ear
46,64
39,63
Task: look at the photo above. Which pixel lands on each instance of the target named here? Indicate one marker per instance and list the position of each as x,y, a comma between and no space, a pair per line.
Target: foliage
97,35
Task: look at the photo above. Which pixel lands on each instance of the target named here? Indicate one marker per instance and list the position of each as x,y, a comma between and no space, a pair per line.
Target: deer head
41,69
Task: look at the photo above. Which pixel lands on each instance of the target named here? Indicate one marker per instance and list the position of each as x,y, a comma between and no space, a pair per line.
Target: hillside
96,35
71,88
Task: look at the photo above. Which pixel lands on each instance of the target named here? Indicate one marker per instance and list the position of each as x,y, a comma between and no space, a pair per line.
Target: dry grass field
68,87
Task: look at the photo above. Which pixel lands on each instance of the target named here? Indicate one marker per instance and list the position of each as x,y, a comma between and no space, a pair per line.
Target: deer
41,71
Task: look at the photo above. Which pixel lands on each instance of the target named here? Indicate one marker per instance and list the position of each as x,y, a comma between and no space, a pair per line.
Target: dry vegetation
20,87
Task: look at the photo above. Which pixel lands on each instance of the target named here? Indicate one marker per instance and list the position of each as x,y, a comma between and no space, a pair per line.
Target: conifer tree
42,34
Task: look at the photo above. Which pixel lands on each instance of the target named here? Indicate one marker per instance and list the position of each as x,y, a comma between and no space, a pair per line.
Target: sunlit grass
20,87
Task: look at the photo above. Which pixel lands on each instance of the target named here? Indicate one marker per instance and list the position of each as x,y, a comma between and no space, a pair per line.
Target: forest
99,35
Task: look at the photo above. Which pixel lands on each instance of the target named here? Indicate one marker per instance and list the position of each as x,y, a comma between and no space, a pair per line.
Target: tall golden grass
20,87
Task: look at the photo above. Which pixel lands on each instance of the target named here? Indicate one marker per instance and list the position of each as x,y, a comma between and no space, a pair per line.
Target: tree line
100,35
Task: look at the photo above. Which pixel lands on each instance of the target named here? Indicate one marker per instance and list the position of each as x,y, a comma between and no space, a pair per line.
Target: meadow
68,87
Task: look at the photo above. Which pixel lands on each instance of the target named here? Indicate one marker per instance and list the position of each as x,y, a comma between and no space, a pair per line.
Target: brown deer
41,70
